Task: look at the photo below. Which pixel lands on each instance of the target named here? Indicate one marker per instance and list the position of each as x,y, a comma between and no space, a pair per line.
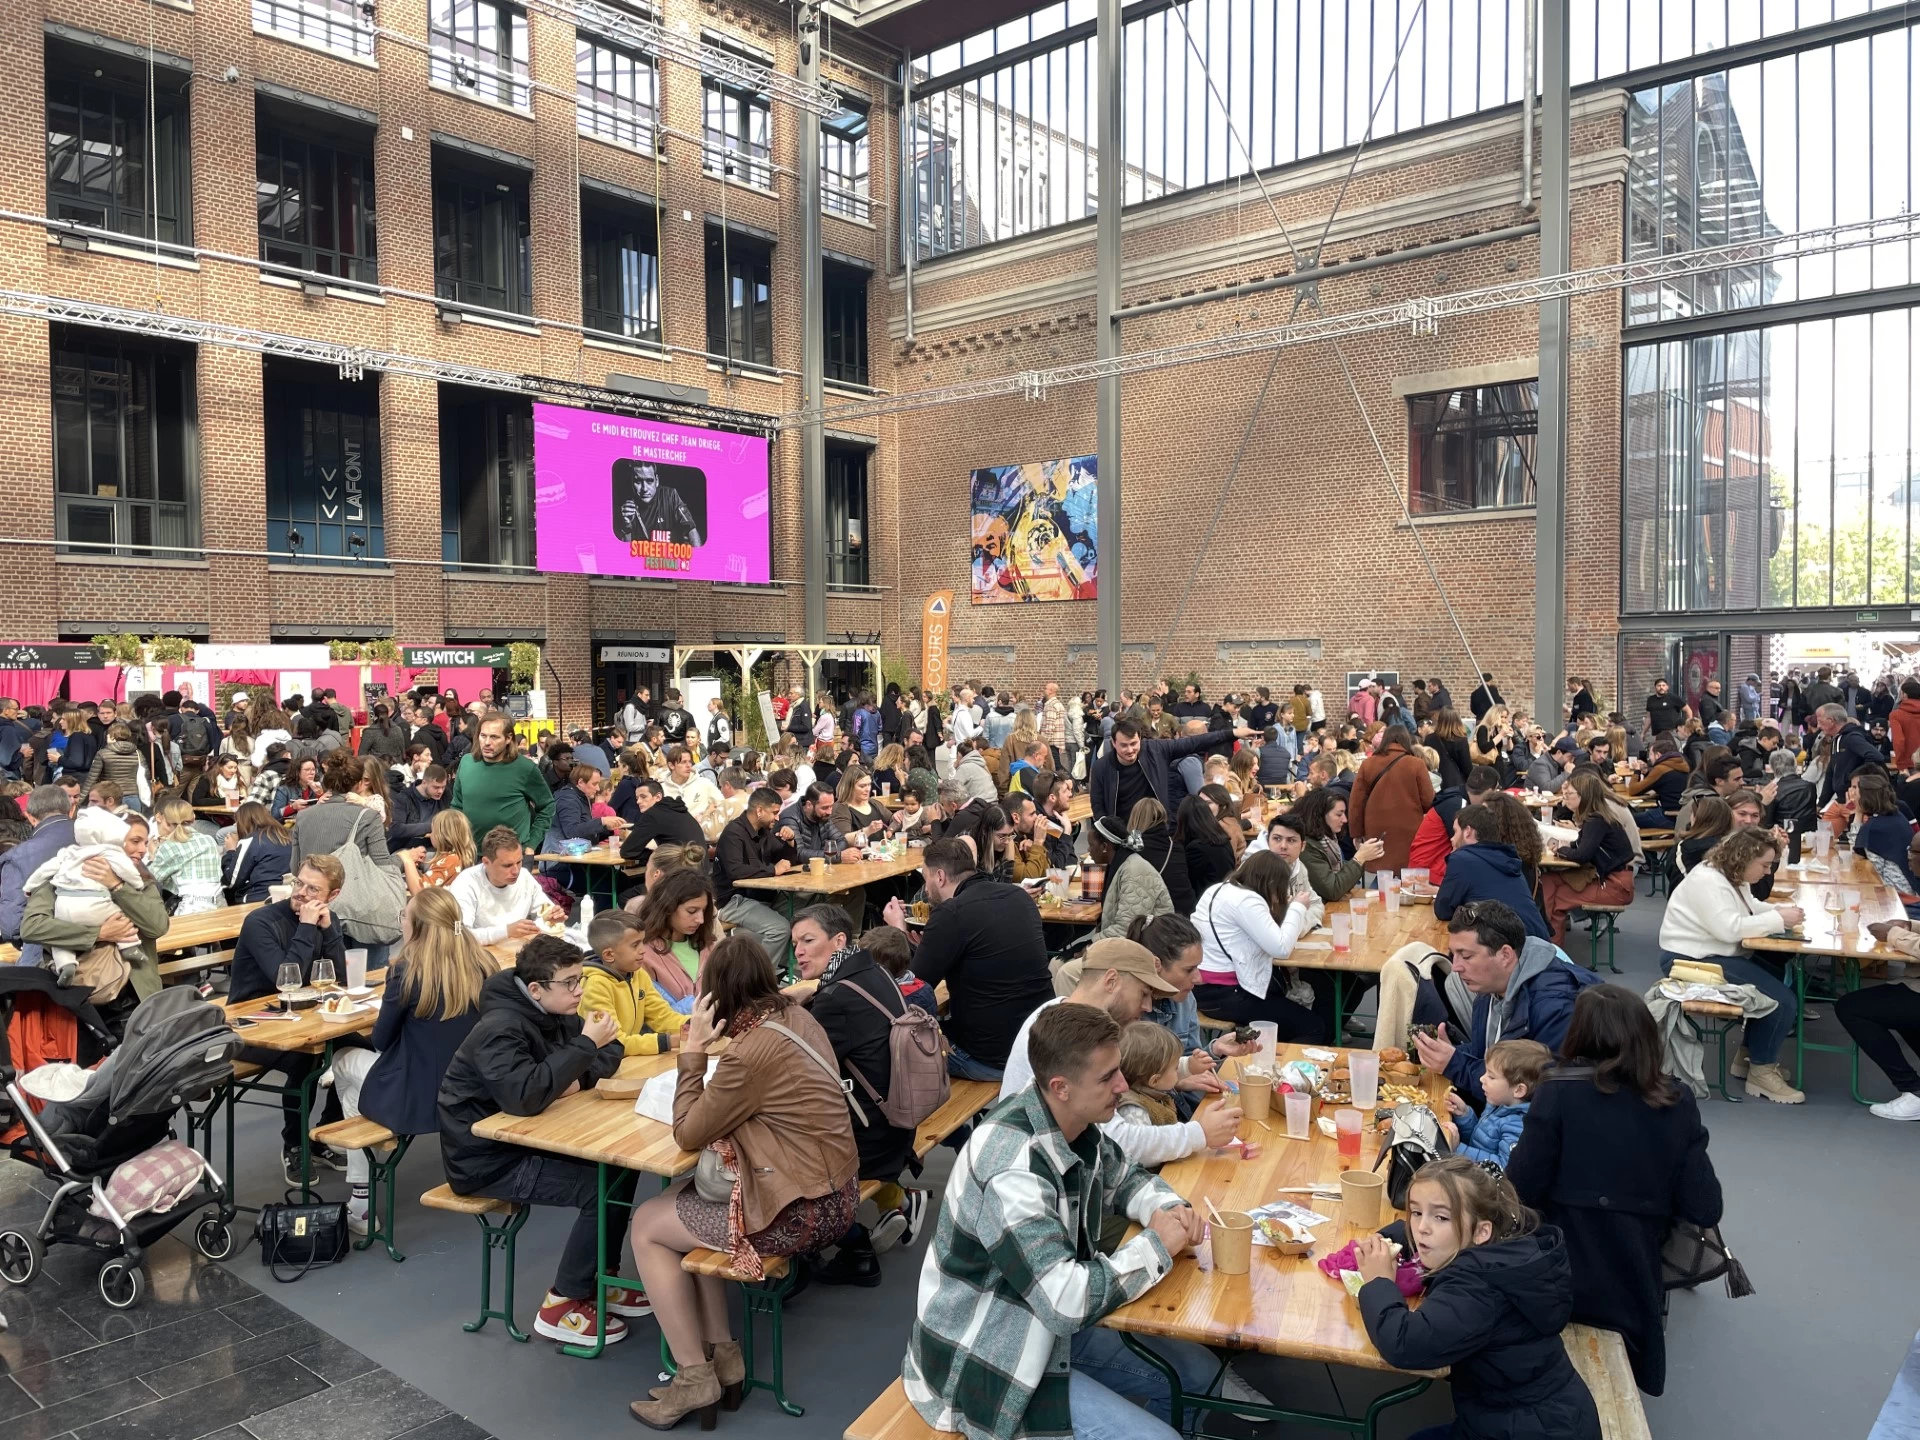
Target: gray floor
1819,1207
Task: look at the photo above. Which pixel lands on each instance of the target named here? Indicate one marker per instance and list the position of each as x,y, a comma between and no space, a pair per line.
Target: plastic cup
1346,1124
1391,899
1256,1093
1822,842
356,969
886,787
1266,1035
1342,926
1360,918
1299,1114
1232,1240
1364,1066
1362,1194
817,866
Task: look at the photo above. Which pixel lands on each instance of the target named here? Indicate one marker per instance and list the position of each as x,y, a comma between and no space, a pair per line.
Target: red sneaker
573,1322
630,1301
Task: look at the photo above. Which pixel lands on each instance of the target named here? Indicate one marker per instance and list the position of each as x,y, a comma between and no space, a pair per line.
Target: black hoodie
1494,1315
517,1058
665,822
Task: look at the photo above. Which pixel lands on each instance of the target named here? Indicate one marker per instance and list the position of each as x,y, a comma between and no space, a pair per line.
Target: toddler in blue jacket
1514,1069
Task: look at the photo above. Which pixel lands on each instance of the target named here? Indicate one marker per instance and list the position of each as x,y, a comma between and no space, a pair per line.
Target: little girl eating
1150,1061
1499,1292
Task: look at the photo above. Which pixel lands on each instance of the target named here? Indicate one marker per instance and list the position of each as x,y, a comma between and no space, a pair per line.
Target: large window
107,166
316,205
617,93
737,124
1472,449
125,457
845,157
323,466
479,47
845,297
486,480
619,272
482,245
739,298
1823,137
333,24
847,538
1775,467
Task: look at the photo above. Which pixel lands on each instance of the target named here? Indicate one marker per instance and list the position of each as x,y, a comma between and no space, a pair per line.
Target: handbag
1416,1140
1695,1254
371,900
299,1238
104,970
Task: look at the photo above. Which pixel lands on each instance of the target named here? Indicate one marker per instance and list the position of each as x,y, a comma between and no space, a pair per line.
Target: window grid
97,159
482,244
332,24
847,535
1472,449
845,161
479,47
620,275
845,299
738,131
739,301
486,481
316,207
618,93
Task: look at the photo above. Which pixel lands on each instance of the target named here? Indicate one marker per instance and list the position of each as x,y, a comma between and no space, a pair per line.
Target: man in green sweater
496,785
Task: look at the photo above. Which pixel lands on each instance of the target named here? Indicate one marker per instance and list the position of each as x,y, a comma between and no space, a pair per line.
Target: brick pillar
233,461
410,472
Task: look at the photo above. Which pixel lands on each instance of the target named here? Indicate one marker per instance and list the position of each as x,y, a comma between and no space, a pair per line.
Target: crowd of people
1219,833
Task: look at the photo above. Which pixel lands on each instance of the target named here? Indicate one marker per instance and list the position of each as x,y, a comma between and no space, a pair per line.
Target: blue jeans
1765,1035
962,1066
1108,1379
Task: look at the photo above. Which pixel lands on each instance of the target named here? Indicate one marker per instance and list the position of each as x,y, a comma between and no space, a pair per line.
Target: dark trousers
1874,1017
1297,1023
574,1185
293,1118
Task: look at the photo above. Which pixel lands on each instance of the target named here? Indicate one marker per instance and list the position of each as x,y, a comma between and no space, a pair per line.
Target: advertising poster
1035,532
647,499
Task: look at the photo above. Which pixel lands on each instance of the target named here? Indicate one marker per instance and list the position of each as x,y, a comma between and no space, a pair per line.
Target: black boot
853,1264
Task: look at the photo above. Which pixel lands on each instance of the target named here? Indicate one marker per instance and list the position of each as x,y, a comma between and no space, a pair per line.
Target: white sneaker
1904,1106
1232,1387
357,1206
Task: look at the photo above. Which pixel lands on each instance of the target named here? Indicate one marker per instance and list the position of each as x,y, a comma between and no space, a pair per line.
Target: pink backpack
917,1050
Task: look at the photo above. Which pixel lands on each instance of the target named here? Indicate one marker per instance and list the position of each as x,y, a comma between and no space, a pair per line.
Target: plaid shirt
1015,1271
265,782
194,860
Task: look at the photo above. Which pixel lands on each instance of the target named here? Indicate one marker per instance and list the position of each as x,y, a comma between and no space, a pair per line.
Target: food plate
360,992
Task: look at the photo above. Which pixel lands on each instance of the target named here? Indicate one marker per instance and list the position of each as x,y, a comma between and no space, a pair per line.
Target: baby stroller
177,1048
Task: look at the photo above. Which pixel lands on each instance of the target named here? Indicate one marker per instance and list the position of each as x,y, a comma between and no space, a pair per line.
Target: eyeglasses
572,986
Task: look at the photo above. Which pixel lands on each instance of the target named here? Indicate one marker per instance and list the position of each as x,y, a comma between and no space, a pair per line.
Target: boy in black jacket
529,1049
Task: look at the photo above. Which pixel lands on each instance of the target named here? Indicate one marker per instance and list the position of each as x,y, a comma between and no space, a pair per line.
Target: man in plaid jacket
1007,1344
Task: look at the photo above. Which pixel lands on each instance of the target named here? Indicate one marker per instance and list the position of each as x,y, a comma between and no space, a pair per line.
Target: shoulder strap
845,1086
866,1084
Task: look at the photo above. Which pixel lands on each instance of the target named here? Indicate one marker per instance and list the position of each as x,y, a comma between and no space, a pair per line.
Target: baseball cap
240,697
1129,957
1566,745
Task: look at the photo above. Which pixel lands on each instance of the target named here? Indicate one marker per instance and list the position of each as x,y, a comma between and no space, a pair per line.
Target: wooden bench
966,1099
1208,1022
1601,1358
1710,1020
891,1417
495,1235
384,1151
194,964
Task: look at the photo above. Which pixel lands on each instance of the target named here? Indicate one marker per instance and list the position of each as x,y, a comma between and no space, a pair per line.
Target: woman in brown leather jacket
775,1111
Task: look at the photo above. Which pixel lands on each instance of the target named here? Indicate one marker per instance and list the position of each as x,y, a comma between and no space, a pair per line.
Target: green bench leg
1717,1032
381,1214
497,1237
769,1299
1601,923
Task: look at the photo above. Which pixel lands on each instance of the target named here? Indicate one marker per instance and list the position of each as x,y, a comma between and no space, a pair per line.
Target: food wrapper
1300,1074
1409,1277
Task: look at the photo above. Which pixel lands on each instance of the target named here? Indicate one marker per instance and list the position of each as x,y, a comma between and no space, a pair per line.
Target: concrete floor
1819,1204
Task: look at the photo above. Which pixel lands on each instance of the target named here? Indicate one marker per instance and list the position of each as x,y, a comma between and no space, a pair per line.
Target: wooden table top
1822,926
606,1132
309,1031
1284,1305
1073,912
216,811
1080,808
838,879
209,927
599,855
1369,952
1842,867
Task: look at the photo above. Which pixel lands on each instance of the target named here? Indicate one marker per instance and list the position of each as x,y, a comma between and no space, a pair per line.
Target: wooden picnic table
1080,808
1284,1305
209,927
1366,954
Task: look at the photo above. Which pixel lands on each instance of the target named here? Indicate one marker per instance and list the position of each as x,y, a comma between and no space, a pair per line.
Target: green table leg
1339,1006
1364,1426
606,1179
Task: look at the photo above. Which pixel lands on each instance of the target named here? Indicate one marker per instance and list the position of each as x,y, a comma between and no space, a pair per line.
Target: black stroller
177,1049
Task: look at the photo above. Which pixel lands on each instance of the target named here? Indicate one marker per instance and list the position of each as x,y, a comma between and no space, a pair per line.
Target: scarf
1157,1103
840,957
745,1259
668,974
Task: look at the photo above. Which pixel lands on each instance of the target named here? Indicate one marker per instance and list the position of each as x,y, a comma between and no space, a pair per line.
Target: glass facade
845,158
617,91
847,516
482,242
323,467
845,299
479,48
316,206
98,153
486,479
620,274
739,299
1472,449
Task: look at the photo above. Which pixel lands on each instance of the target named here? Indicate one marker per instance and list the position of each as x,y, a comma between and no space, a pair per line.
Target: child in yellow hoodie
617,982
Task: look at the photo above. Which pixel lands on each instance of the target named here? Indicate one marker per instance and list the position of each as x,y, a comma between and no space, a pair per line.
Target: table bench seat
965,1099
1601,1358
720,1267
359,1133
442,1197
892,1418
191,964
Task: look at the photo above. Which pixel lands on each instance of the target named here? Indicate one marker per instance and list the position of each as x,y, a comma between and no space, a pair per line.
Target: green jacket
1330,882
147,909
507,792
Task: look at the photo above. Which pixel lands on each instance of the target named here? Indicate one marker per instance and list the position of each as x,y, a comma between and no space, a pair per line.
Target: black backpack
196,736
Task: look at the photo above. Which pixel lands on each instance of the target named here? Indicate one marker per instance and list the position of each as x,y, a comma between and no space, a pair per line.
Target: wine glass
323,977
287,980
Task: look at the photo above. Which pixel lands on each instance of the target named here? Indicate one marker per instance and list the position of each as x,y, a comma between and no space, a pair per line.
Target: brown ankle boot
731,1370
694,1389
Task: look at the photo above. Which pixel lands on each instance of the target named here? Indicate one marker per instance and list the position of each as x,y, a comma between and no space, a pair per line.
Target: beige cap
1129,957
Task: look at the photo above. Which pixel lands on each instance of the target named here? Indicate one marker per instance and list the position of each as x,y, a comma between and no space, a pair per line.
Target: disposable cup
817,866
1822,842
1256,1093
1361,914
1299,1114
1266,1035
1342,927
1391,899
1346,1124
1361,1197
1232,1239
356,969
1364,1066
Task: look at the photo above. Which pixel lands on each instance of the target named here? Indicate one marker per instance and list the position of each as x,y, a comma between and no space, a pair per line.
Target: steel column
1550,456
813,434
1108,129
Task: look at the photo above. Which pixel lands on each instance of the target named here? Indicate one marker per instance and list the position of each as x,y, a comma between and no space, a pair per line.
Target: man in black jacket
1852,748
414,807
528,1049
663,820
1485,696
748,850
984,939
1793,804
1133,768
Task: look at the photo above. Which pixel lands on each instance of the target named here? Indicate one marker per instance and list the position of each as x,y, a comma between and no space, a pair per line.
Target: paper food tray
656,1096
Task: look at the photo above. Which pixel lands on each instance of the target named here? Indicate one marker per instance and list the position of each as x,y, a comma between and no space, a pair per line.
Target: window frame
127,111
296,397
325,24
452,186
130,431
723,264
485,60
1437,495
365,266
751,164
849,496
505,443
599,120
847,354
602,219
846,189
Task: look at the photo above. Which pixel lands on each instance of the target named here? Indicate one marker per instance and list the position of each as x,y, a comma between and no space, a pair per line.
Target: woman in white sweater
1248,923
1709,915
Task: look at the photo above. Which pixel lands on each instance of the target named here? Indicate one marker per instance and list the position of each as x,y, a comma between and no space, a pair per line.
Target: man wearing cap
1746,699
1122,978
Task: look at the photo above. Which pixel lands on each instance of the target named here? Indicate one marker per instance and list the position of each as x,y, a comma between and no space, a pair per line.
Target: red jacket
1432,844
1903,732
